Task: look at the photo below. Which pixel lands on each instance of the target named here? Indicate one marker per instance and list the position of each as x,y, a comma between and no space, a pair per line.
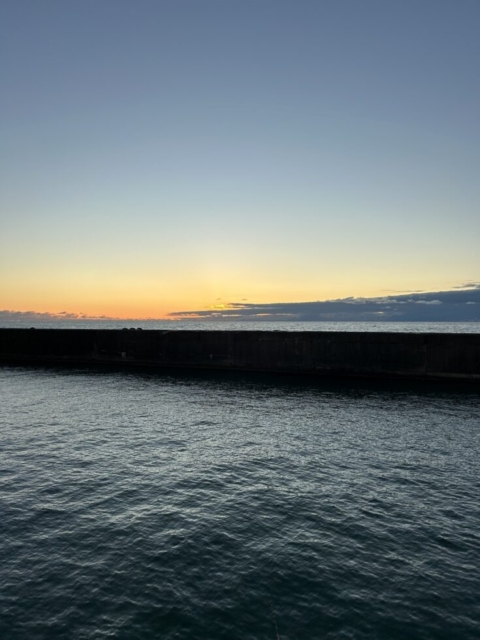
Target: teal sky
174,155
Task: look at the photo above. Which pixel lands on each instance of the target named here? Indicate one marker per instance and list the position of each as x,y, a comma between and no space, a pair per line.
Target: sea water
144,505
246,325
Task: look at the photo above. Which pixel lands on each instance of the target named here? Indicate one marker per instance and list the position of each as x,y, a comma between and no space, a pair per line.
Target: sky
174,156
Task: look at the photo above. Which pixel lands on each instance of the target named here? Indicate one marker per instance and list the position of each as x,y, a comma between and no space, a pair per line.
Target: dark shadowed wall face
343,353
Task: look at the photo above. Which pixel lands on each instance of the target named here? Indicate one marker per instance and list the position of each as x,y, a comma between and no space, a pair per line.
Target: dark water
247,325
137,505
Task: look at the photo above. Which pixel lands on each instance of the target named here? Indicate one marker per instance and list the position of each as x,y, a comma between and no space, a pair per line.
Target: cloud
404,290
468,285
449,306
461,304
41,316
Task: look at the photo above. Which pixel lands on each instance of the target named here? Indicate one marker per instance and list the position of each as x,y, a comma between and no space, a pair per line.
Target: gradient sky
169,155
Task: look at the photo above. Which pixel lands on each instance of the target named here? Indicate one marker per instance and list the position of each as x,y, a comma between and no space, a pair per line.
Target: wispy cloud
468,285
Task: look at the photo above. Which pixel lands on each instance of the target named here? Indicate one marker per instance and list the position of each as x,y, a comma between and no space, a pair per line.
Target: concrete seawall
387,355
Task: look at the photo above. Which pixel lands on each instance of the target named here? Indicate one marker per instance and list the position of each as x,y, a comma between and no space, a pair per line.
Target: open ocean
149,505
249,325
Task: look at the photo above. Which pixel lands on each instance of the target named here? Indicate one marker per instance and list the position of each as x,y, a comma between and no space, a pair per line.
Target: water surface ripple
142,505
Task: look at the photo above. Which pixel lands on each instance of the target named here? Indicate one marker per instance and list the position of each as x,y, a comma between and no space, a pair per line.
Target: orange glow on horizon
142,296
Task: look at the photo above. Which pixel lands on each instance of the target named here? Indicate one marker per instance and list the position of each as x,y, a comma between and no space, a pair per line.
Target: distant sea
251,325
141,505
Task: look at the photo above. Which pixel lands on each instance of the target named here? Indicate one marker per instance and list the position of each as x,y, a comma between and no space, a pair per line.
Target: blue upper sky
160,155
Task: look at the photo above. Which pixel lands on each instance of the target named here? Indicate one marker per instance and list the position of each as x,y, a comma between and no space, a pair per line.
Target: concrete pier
381,355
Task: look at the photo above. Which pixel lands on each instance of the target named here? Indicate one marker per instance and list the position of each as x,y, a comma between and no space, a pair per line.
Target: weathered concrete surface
407,355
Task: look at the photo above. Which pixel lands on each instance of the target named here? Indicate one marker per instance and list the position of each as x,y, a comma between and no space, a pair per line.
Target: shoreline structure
421,356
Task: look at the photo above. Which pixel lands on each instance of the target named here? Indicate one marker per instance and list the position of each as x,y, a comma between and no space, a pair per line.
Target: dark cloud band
459,305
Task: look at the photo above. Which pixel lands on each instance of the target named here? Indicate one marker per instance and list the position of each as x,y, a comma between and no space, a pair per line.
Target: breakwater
402,355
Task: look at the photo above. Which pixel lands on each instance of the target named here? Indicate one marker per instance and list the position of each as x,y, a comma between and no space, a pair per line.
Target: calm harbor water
137,505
